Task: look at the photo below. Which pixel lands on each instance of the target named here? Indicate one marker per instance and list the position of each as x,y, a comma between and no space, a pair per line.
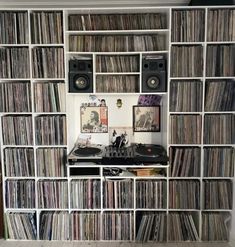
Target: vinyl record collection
48,62
51,130
15,97
186,61
150,194
219,129
220,95
17,130
151,226
14,27
116,43
20,193
46,197
184,194
185,129
222,20
136,21
220,60
219,162
46,27
117,63
49,97
218,194
118,226
185,25
26,222
185,162
215,226
85,193
56,226
85,225
52,194
14,62
117,84
182,227
186,96
19,162
118,194
51,162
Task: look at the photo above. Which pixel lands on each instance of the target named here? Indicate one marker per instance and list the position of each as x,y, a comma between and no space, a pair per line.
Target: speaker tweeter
80,76
154,75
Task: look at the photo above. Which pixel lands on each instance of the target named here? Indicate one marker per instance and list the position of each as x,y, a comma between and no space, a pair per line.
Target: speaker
153,75
80,76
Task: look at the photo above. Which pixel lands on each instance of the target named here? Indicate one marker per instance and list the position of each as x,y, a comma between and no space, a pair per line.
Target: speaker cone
81,82
153,82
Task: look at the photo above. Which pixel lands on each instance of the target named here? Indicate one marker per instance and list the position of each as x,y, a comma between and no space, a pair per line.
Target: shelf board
185,145
186,78
19,178
187,43
47,45
219,77
184,178
17,146
108,32
15,113
217,178
115,52
85,209
117,73
220,42
83,177
117,209
184,210
119,94
218,145
219,112
216,210
49,113
14,79
185,113
151,209
50,146
48,79
14,45
24,210
51,178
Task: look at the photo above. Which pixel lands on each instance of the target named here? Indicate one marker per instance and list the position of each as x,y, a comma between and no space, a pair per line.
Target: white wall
117,117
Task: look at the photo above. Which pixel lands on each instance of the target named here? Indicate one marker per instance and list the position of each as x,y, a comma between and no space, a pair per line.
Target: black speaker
80,76
153,75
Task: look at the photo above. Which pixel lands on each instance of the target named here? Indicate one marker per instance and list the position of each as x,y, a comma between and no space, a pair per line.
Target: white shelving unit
97,220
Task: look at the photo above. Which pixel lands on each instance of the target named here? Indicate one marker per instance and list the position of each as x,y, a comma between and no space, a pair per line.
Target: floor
4,243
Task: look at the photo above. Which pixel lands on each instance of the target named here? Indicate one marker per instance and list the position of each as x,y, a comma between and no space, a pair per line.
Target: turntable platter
149,150
87,151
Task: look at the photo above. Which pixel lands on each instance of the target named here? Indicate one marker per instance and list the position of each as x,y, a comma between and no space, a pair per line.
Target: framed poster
94,119
146,118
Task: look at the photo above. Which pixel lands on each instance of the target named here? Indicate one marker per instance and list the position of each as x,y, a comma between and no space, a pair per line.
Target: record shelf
191,199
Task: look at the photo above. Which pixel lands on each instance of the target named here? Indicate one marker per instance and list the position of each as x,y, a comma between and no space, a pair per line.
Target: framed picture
120,136
146,118
94,119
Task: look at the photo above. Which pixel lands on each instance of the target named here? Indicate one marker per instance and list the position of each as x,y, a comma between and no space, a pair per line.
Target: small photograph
120,136
146,118
94,119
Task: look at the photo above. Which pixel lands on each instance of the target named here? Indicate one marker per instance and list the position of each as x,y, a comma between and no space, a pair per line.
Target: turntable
150,153
84,153
135,154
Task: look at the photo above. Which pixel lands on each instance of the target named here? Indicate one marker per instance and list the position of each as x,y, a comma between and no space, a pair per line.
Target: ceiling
90,3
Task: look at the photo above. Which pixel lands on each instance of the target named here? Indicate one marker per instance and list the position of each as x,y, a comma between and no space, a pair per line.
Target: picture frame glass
94,119
146,118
